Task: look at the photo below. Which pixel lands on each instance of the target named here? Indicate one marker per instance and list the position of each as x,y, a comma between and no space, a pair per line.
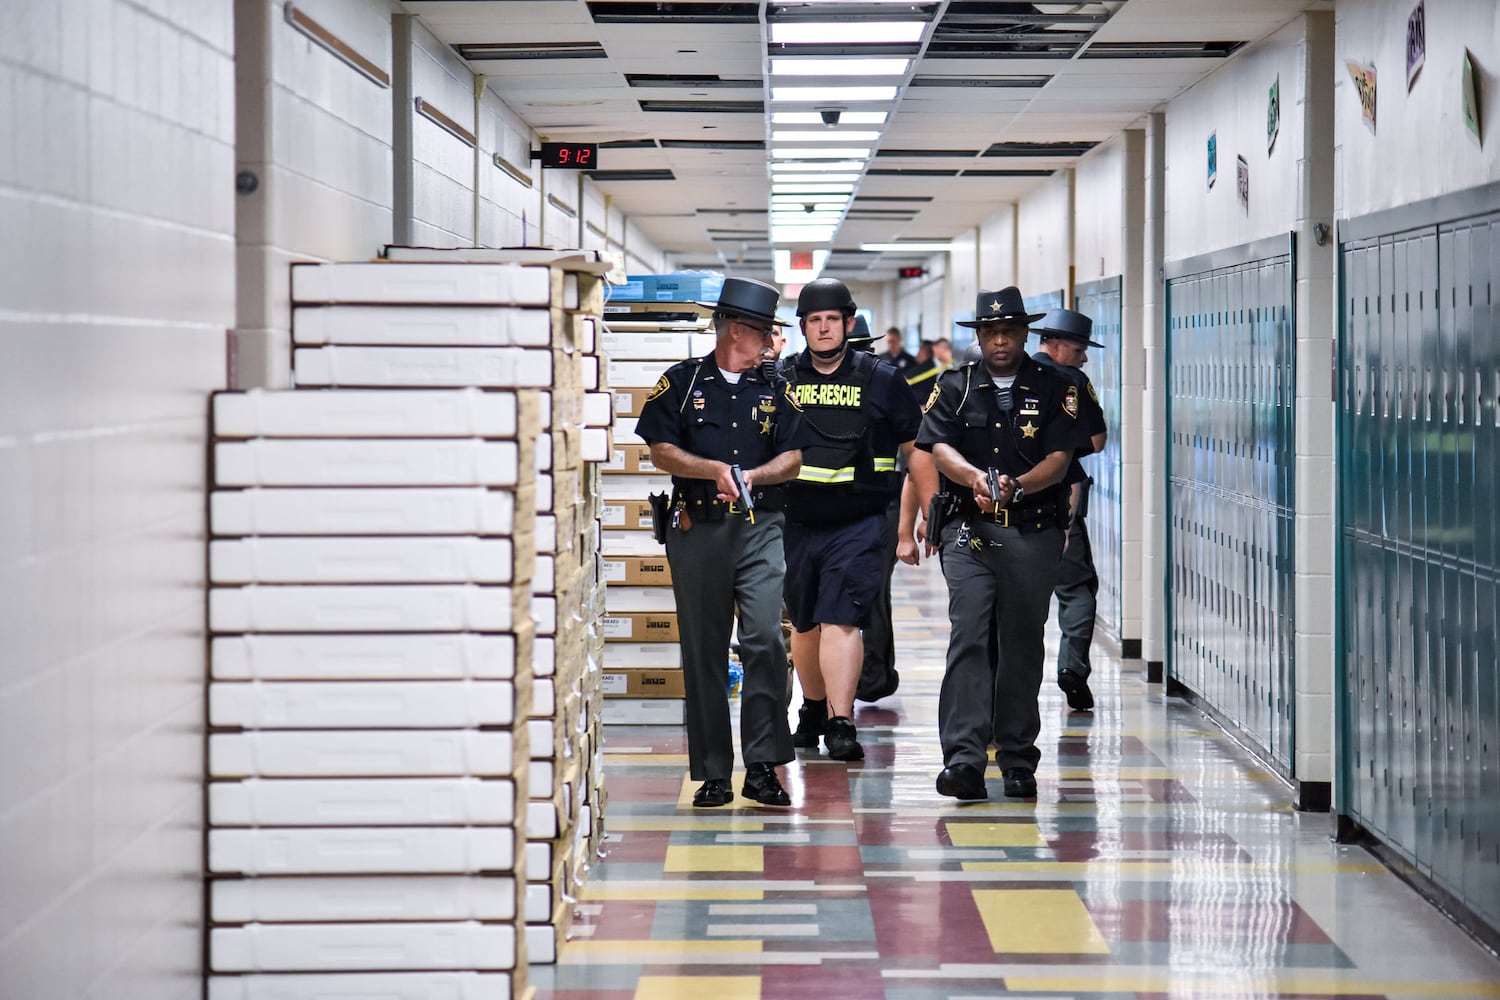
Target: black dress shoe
1080,698
1020,783
762,785
713,792
962,781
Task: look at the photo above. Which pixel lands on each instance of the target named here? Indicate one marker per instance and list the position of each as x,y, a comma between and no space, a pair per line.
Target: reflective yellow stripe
929,373
813,474
885,465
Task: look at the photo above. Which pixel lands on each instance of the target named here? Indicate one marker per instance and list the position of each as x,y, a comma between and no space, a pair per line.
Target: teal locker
1419,373
1100,301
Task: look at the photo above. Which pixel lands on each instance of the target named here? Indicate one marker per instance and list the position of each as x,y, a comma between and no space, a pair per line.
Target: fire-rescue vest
853,449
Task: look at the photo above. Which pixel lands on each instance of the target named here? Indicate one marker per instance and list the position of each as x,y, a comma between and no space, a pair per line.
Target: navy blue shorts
834,574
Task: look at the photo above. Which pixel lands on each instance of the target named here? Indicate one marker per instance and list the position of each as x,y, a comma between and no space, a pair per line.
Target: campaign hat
1004,306
748,298
1067,324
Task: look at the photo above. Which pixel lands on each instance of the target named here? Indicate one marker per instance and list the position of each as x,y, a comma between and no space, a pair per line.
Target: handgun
746,500
994,477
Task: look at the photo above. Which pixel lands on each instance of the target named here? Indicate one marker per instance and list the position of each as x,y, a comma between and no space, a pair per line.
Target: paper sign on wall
1213,158
1273,115
1364,85
1471,97
1242,182
1416,42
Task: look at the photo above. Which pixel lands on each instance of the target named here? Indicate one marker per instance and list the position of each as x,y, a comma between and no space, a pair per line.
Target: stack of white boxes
372,660
643,679
565,812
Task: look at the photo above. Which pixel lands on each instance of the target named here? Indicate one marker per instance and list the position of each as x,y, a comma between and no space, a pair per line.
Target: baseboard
1312,796
1156,671
1130,649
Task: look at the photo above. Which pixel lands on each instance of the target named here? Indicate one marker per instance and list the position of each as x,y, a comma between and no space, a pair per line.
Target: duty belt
1033,518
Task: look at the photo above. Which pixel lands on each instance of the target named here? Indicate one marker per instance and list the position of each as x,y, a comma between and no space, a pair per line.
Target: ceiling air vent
1007,173
531,50
680,12
893,197
1052,149
966,153
909,172
730,211
688,81
600,176
629,144
1160,50
706,107
854,216
961,82
979,29
743,144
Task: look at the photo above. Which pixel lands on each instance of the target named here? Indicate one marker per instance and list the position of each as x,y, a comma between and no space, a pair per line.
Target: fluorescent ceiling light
779,188
820,201
845,33
778,177
847,66
822,152
832,135
816,118
817,166
912,247
832,95
804,234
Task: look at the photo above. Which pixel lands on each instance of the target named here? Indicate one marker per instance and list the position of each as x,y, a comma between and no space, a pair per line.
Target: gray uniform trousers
1077,603
998,600
716,566
879,635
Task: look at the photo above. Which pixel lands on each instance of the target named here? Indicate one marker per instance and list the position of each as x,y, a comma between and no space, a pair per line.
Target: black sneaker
840,739
713,792
761,785
1020,783
962,781
1080,698
812,722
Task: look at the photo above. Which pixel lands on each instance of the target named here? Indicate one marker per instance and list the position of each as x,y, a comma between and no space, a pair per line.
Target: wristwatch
1018,492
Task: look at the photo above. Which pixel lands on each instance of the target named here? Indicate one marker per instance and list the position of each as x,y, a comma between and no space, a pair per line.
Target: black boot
812,720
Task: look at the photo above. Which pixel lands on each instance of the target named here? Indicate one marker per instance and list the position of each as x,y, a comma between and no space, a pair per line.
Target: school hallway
1159,859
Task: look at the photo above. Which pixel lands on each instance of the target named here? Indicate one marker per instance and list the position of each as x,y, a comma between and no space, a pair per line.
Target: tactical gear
823,294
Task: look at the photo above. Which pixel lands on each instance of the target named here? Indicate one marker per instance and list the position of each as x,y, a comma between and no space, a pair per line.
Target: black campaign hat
1004,306
748,298
1067,324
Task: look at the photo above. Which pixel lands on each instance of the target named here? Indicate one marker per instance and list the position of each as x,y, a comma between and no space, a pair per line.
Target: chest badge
698,401
765,426
1029,429
768,404
1031,407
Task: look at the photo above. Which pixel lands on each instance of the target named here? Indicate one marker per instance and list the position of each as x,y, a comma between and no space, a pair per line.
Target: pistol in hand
746,500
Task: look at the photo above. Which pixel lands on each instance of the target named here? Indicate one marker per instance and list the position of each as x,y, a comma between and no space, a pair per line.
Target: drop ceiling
994,97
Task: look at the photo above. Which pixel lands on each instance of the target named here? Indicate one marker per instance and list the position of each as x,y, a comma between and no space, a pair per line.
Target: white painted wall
317,134
1420,148
117,262
442,164
1098,213
1044,236
1232,103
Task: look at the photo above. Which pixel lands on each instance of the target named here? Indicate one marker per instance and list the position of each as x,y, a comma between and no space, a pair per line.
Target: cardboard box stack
643,673
375,638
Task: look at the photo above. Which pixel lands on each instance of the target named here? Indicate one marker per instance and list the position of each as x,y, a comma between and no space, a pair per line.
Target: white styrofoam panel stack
370,565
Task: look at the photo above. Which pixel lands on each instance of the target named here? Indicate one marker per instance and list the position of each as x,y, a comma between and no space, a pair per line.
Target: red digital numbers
570,155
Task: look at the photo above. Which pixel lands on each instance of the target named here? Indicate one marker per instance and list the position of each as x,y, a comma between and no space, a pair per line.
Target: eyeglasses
760,331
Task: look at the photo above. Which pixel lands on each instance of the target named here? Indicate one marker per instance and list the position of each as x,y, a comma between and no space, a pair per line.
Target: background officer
1065,343
860,413
999,553
704,416
895,351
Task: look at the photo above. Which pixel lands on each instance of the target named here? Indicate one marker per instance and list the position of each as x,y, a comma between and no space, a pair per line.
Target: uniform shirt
890,406
747,424
920,375
1090,413
900,362
964,411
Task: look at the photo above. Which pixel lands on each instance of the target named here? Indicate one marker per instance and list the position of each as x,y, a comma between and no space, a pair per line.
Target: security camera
830,116
809,208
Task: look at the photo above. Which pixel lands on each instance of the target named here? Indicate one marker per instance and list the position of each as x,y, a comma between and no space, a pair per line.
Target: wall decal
1364,86
1416,42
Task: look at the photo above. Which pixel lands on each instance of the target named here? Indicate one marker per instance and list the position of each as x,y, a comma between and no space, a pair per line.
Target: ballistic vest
852,448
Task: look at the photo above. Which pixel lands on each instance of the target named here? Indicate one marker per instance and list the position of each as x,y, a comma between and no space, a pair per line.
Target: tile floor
1158,860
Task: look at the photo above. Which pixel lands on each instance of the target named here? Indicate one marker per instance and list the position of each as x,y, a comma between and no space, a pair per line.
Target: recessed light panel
854,66
846,32
816,118
832,95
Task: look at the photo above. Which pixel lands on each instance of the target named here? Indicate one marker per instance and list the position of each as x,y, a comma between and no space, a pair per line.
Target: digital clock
571,155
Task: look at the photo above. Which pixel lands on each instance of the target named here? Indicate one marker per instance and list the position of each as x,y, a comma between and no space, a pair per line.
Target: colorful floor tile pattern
1157,861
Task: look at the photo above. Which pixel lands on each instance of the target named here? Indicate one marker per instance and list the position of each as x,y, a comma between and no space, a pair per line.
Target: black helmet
825,293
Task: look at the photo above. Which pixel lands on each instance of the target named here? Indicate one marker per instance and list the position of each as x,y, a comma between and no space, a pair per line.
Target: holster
660,504
938,513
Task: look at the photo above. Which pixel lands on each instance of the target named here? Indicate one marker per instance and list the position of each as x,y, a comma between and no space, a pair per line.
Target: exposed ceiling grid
688,87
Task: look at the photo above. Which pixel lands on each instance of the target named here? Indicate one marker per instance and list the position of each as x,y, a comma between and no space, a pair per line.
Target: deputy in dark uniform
999,553
704,416
1065,342
860,414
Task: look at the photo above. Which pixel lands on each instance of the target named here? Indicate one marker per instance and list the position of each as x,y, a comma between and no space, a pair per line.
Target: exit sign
913,272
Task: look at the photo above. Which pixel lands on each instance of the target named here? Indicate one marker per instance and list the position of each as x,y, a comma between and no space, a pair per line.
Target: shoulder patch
791,397
662,385
1070,402
1092,394
937,389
